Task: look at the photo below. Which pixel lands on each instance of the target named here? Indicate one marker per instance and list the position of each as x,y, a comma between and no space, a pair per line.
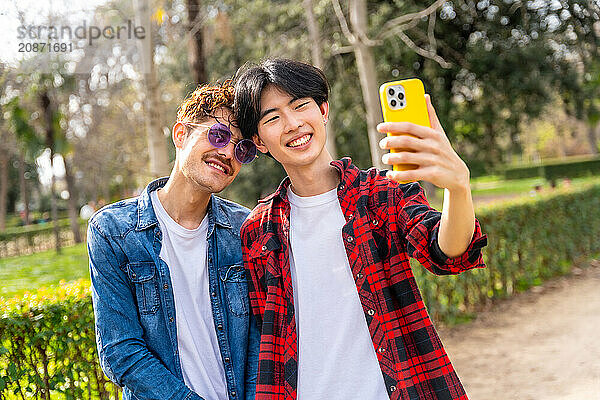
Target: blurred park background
86,121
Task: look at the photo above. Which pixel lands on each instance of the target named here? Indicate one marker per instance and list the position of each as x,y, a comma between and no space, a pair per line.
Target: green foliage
19,123
30,272
47,346
529,241
527,171
553,170
572,169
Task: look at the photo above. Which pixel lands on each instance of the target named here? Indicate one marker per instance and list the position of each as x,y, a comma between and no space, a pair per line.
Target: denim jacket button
214,294
220,327
232,394
227,359
171,319
165,286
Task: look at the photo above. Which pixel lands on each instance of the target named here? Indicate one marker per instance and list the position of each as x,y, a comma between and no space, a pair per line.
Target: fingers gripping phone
404,101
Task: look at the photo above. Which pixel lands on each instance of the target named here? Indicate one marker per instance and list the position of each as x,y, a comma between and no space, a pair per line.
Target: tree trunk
23,188
157,144
317,59
368,78
3,188
53,205
195,45
515,146
50,135
72,203
592,138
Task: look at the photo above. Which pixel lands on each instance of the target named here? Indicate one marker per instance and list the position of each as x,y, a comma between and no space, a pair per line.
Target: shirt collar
145,211
147,216
344,166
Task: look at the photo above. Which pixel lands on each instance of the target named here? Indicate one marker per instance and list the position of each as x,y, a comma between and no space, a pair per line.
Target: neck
317,178
183,201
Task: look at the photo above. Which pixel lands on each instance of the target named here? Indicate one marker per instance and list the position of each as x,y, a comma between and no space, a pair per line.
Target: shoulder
258,220
236,213
116,219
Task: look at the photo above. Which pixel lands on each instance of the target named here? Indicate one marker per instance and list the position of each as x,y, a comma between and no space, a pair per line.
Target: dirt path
540,345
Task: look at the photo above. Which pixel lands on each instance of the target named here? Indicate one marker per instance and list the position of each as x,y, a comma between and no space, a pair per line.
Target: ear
324,107
179,134
259,144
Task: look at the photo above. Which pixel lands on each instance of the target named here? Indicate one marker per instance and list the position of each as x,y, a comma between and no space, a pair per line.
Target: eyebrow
270,110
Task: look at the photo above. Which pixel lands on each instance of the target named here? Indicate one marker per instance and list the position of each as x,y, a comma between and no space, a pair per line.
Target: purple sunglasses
219,135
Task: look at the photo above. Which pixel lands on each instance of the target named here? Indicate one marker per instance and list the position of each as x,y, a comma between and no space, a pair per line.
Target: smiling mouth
300,141
217,166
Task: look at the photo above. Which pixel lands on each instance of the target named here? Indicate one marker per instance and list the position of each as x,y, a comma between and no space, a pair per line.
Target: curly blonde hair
205,100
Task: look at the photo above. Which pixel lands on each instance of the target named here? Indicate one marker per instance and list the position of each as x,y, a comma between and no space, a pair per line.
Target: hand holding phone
404,101
419,147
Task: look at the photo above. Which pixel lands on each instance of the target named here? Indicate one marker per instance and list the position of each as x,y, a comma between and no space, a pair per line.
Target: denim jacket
134,306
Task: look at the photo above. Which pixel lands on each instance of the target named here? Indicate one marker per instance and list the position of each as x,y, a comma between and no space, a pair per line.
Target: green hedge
556,169
529,241
524,172
36,229
47,347
34,238
573,169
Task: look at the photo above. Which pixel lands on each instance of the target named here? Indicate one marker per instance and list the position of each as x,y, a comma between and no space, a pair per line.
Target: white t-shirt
184,251
336,357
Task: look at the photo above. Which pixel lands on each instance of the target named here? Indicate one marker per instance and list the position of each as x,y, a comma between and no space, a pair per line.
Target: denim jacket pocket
142,274
236,288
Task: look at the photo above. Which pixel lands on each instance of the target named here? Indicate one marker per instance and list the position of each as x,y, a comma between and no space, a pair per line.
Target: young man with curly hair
168,287
338,307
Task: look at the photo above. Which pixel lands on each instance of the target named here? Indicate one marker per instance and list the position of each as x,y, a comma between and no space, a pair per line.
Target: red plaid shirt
386,223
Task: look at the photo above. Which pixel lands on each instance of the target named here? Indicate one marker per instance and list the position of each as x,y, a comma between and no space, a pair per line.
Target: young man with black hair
168,287
339,310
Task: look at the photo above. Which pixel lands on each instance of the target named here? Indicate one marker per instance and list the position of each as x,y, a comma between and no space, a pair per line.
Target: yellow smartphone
404,101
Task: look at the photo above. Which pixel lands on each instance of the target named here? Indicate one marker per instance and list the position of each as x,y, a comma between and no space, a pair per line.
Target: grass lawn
30,272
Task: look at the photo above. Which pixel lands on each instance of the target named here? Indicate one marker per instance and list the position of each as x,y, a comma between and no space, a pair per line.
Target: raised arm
439,164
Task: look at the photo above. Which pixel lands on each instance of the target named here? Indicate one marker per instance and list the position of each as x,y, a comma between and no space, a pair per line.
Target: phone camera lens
393,103
401,96
401,104
391,92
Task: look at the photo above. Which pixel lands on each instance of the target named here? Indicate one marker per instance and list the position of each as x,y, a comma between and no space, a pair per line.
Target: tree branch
342,20
341,50
431,34
423,52
398,28
411,17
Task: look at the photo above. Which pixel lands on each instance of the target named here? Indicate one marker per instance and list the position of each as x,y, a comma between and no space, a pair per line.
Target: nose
227,151
292,122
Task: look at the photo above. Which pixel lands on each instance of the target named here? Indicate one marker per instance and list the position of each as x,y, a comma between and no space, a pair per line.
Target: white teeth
300,141
217,166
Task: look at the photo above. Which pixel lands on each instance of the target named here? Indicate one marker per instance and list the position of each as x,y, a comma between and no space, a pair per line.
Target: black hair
296,78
